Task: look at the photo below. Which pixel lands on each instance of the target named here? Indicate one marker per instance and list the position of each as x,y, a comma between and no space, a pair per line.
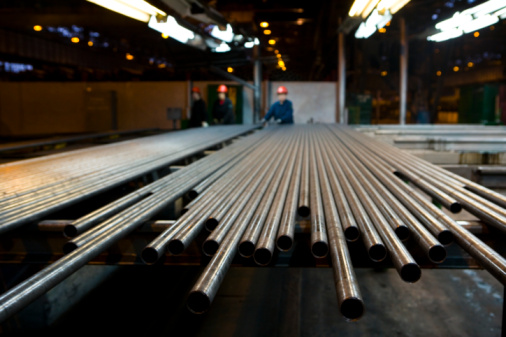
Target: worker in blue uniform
282,110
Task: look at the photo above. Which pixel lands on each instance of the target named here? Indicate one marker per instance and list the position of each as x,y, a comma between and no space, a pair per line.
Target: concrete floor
150,301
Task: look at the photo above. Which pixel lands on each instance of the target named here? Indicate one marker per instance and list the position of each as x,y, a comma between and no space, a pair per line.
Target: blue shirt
284,112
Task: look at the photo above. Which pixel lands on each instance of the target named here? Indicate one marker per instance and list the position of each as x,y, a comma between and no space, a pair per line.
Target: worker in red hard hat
282,110
223,110
198,115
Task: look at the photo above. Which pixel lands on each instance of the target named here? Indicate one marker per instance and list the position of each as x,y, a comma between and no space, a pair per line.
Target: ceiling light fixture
135,9
470,20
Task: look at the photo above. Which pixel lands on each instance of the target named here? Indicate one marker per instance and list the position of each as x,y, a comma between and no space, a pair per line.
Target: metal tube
256,188
372,241
349,298
319,240
267,238
286,230
303,207
191,223
392,208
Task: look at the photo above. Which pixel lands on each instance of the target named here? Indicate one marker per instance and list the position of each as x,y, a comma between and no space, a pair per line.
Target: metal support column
403,85
341,82
257,77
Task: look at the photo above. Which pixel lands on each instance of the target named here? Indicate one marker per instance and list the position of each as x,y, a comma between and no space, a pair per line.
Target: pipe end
198,302
211,224
377,252
176,247
445,237
402,233
262,256
149,255
455,207
303,211
69,247
437,253
352,233
193,194
70,231
352,308
320,249
210,247
411,272
246,249
284,243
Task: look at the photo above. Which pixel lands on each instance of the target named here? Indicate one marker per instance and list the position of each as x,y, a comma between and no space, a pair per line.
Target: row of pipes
249,196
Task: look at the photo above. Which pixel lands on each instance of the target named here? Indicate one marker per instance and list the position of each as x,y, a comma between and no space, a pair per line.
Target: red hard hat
196,89
222,88
282,90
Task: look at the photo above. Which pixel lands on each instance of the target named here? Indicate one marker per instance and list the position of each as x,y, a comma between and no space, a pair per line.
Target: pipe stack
249,195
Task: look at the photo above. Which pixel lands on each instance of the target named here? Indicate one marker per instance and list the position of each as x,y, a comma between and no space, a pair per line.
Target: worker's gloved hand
278,121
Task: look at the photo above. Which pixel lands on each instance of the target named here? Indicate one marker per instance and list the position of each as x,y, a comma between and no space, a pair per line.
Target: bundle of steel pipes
30,189
250,195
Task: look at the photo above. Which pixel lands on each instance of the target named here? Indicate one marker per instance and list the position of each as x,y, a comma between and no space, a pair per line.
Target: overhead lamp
374,21
230,69
445,35
226,35
222,48
90,43
74,39
278,56
479,23
281,63
37,28
485,8
470,20
264,24
272,42
135,9
171,28
397,5
129,56
267,32
362,8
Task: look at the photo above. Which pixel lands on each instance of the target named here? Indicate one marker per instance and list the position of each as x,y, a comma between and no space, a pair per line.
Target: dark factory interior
253,168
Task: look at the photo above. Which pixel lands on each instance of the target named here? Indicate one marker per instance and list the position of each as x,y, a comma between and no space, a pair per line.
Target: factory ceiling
110,46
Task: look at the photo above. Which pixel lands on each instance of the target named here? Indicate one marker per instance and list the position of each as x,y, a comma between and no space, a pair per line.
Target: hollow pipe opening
69,247
377,252
352,309
70,231
284,243
149,255
411,272
211,224
176,247
455,207
402,233
445,237
210,247
303,211
198,302
262,256
351,234
320,249
437,254
246,249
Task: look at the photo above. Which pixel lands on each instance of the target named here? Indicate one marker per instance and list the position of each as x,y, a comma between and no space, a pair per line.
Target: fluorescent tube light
172,29
225,35
135,9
